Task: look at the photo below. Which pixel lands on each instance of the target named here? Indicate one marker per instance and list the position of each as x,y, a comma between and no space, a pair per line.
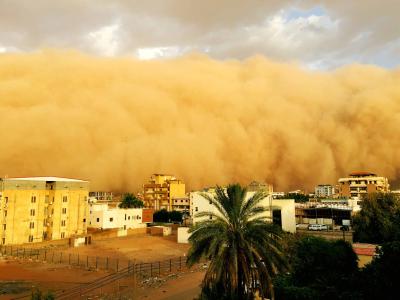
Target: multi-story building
257,186
181,204
281,211
34,209
161,189
101,196
324,190
359,184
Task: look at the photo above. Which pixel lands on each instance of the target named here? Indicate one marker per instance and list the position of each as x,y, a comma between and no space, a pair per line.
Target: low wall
330,235
160,230
137,231
183,235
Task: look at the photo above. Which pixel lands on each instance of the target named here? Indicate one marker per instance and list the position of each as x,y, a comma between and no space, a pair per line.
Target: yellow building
34,209
160,191
359,184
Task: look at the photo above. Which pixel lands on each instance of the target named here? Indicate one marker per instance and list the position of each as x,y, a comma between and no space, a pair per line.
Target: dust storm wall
114,121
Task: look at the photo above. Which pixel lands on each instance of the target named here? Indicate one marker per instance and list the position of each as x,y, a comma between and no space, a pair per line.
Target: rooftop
361,173
46,179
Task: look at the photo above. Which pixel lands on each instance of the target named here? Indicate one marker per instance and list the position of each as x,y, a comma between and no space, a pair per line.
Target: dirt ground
143,248
27,275
24,275
184,287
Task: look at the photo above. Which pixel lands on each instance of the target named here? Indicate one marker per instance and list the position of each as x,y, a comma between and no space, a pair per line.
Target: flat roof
46,179
362,173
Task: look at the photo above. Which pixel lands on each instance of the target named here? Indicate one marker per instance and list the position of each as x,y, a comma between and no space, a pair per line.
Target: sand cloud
115,121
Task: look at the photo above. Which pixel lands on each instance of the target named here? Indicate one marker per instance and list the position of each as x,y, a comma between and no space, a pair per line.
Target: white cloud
316,33
105,40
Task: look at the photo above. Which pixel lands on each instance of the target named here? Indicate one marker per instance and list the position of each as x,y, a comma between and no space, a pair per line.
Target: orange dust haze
115,121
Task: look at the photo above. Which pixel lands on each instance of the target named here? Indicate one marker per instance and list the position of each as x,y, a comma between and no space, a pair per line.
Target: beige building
34,209
324,190
160,191
359,184
181,204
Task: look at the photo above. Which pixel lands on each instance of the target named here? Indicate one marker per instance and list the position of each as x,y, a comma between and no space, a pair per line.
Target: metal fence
114,264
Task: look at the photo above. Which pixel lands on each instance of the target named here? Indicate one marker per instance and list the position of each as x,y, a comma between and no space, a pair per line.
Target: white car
317,227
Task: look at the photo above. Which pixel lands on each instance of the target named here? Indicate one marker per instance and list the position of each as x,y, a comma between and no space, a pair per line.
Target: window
65,198
32,225
98,220
125,216
3,241
111,219
63,223
62,235
210,217
6,199
33,199
196,209
32,212
129,217
84,220
5,213
44,223
210,202
64,210
4,226
30,239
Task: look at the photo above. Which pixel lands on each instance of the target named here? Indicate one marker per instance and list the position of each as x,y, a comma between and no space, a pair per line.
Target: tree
298,198
381,278
243,248
321,269
175,216
161,216
379,219
130,201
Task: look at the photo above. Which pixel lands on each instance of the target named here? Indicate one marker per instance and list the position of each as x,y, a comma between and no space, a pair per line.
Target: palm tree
244,249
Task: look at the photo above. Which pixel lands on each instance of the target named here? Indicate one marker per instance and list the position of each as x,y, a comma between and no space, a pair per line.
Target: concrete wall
183,235
160,230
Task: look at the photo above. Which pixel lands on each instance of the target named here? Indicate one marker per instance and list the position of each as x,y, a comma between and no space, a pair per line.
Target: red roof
364,249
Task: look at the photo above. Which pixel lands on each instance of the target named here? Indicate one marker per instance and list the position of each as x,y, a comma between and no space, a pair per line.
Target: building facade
281,211
101,196
35,209
104,217
359,184
160,191
181,204
324,190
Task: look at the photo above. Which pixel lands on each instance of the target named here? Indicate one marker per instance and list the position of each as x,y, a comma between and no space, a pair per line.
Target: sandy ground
44,276
31,275
141,248
187,286
144,248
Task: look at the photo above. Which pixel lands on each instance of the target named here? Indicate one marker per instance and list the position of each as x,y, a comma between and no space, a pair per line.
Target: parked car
317,227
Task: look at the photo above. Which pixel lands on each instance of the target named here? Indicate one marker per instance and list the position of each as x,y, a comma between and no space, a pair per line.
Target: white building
103,217
324,190
281,210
